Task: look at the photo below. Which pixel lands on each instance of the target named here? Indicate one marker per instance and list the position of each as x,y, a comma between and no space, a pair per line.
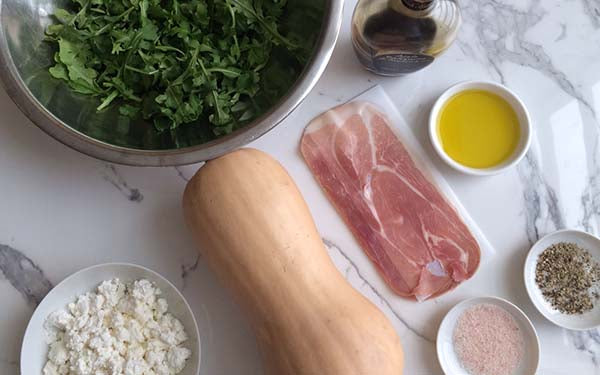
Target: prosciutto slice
412,234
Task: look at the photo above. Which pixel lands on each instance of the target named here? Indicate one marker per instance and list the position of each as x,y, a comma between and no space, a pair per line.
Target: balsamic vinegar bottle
396,37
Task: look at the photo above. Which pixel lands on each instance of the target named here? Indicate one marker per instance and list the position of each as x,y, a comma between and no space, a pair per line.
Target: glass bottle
396,37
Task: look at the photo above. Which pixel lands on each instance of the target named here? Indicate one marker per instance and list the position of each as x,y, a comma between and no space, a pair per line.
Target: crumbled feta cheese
120,329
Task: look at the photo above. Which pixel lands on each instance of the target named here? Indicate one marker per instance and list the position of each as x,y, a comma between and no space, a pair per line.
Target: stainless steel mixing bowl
72,119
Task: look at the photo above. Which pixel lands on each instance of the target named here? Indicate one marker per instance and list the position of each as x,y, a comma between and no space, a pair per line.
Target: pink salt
488,341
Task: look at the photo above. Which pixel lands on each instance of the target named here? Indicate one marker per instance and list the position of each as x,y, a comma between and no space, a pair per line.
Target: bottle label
418,4
401,63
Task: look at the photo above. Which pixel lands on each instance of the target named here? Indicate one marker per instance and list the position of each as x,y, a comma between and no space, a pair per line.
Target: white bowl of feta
112,318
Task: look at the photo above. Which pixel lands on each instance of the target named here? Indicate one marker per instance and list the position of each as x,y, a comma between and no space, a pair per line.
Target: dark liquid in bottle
395,37
393,30
394,43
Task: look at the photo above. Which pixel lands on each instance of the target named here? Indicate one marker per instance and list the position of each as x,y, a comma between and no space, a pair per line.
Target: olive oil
395,37
478,129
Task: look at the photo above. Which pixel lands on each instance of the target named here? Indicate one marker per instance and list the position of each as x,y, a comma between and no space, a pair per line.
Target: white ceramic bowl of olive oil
480,128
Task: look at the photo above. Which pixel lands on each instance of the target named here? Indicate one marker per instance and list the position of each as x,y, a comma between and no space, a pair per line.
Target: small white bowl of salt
487,336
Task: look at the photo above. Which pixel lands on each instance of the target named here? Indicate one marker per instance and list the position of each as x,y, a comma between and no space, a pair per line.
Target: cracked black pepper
568,278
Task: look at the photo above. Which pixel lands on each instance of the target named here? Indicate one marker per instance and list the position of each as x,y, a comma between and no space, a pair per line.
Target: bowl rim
119,264
529,284
498,301
526,127
57,129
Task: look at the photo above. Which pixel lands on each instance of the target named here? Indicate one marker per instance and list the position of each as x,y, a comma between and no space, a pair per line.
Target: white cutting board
416,322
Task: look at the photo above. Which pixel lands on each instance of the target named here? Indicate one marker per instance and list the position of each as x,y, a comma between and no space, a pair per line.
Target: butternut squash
254,229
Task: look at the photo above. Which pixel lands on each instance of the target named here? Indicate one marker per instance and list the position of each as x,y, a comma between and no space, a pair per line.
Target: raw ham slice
415,238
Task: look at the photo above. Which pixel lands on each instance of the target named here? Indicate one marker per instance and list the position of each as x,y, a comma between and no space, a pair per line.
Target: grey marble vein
590,202
590,199
466,48
330,245
563,33
501,31
181,174
114,177
592,10
186,269
495,25
542,208
24,275
587,342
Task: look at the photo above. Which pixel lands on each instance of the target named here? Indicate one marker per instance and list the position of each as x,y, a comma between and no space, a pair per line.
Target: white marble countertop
62,211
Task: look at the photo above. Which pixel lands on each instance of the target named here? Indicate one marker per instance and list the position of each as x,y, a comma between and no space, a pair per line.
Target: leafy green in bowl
176,73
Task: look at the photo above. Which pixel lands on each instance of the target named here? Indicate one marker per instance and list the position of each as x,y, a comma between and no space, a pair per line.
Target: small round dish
505,93
588,320
34,350
445,346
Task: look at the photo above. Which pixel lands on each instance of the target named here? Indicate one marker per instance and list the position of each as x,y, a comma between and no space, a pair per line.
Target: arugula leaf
174,63
59,71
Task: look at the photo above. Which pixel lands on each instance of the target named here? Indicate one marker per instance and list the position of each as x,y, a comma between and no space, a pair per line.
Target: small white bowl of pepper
562,278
